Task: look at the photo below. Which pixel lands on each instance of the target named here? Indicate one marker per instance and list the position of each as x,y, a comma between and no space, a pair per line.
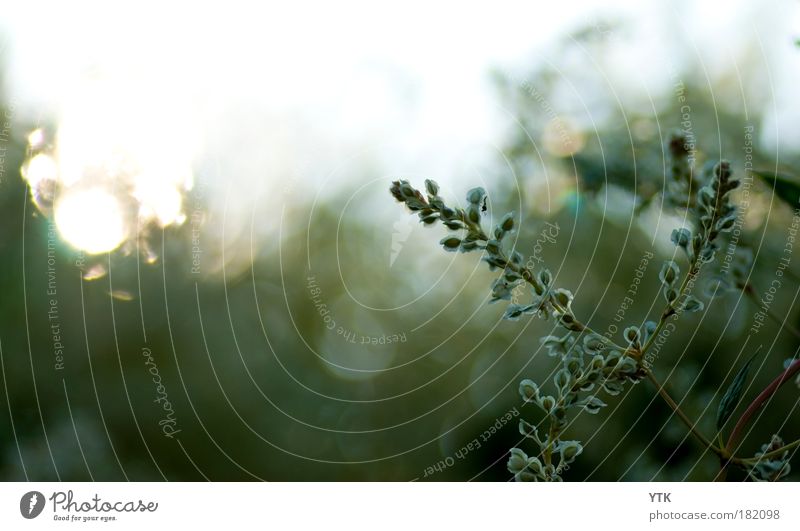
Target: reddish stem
759,401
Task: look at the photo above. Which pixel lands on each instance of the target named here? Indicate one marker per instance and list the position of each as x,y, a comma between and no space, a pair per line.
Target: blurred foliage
624,154
253,373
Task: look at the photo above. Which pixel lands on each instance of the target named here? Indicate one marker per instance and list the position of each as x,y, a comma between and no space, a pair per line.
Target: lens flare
117,168
36,138
159,201
90,220
41,168
41,172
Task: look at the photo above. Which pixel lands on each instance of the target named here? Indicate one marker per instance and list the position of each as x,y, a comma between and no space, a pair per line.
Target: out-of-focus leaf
787,187
732,396
591,405
121,295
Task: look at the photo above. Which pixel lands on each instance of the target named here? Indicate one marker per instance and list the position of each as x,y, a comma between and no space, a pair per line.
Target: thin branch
758,402
686,420
774,453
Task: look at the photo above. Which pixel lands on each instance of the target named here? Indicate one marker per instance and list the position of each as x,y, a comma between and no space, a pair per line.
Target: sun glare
91,220
41,168
120,161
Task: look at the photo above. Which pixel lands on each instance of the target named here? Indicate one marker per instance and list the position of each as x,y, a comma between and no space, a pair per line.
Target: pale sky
306,88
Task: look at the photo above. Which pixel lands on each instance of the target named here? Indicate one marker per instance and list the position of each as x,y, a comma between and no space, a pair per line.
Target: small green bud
722,171
693,304
594,342
468,245
529,390
437,203
476,195
501,289
612,387
515,311
592,405
473,213
725,224
493,247
633,335
507,223
573,366
563,297
707,253
613,358
569,450
627,365
669,273
450,243
670,294
545,277
547,403
681,237
517,461
432,187
562,379
706,197
407,190
535,466
568,321
528,430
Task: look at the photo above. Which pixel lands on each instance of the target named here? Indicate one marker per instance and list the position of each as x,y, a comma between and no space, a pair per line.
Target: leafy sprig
591,363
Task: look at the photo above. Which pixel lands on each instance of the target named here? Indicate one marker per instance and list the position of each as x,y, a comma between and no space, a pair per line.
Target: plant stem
528,276
686,420
759,401
669,311
765,395
773,453
548,451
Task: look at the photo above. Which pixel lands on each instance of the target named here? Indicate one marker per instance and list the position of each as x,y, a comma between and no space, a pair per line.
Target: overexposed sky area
312,90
